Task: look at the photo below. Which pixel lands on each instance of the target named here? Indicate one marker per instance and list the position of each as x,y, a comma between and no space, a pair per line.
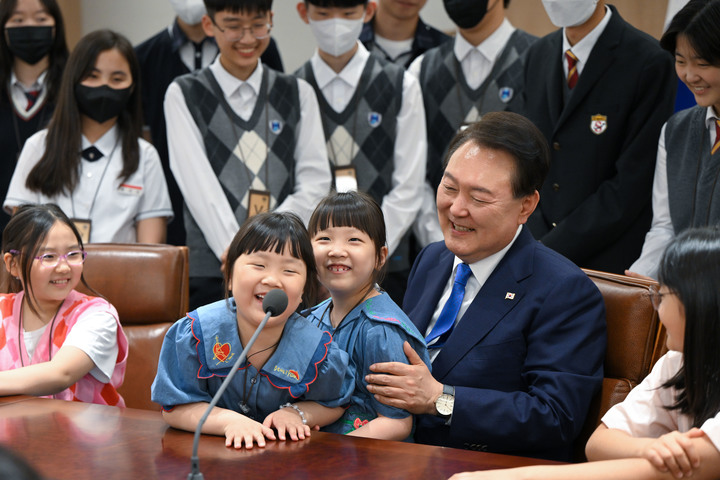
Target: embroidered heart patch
221,352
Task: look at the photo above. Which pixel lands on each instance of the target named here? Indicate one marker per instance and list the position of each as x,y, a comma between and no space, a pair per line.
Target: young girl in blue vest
294,378
348,236
90,161
55,341
669,425
33,53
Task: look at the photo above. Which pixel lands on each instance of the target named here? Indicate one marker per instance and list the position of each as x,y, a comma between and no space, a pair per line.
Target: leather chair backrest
635,342
148,285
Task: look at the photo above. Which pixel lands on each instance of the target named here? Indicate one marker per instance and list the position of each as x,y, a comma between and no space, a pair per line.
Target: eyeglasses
236,32
51,260
656,297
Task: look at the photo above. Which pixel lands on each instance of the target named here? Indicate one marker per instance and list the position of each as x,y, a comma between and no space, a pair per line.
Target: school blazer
525,359
595,204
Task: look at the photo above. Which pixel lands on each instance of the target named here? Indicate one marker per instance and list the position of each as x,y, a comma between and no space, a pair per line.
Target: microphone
274,303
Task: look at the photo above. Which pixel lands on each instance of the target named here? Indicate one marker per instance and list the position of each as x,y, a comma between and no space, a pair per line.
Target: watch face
444,404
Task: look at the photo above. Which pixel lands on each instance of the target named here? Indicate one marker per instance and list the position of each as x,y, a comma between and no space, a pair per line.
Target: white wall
140,19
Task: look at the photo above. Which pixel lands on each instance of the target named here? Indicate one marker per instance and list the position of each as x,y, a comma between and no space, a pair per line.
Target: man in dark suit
517,367
601,108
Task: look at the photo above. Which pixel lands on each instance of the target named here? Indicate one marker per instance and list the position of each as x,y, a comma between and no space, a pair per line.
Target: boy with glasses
234,133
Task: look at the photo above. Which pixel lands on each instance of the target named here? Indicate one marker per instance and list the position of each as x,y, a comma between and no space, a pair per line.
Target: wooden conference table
70,440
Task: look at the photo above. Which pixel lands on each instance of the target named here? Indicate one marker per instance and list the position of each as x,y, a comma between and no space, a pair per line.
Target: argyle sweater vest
257,154
692,173
450,102
363,135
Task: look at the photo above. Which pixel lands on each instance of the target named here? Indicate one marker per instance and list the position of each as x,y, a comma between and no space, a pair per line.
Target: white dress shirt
481,270
402,202
193,173
583,48
661,229
20,100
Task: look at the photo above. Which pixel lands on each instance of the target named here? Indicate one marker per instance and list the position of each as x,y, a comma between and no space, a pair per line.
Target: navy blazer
595,205
526,358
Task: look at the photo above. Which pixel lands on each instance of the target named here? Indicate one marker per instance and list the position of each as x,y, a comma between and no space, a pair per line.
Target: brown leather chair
636,340
148,285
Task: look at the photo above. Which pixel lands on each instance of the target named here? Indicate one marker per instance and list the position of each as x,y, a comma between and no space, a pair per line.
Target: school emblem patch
598,124
506,94
374,119
276,126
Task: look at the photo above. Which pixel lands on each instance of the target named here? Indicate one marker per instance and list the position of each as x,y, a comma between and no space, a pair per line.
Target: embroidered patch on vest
276,126
506,94
374,119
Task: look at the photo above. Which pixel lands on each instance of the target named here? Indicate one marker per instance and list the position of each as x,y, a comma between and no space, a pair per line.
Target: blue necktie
445,322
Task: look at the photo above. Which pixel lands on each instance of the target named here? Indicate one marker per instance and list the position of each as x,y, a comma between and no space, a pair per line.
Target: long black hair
57,171
690,269
58,54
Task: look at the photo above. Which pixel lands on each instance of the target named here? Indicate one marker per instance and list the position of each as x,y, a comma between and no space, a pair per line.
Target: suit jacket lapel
554,92
502,291
601,58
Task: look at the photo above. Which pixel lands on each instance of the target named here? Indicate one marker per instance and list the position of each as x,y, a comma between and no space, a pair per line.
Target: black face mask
466,13
101,103
30,44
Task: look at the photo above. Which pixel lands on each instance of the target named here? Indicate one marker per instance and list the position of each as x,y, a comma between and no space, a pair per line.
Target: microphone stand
196,474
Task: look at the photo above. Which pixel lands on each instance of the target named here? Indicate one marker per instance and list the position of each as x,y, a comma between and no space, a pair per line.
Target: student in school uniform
91,161
373,119
599,90
397,33
688,157
179,49
33,53
242,139
479,72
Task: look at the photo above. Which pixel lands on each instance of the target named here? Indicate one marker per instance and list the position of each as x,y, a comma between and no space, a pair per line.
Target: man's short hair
516,135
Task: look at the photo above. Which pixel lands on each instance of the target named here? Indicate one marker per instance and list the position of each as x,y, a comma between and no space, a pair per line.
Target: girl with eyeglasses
55,341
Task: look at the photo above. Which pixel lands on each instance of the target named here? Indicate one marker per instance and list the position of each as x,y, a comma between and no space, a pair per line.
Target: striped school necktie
572,77
716,145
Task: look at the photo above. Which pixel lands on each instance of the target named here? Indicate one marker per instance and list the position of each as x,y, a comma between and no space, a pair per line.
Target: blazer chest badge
598,124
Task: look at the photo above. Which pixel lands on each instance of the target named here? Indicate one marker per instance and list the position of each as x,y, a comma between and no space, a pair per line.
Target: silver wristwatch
445,402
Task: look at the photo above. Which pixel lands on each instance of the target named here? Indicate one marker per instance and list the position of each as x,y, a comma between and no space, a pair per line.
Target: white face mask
189,11
336,35
569,13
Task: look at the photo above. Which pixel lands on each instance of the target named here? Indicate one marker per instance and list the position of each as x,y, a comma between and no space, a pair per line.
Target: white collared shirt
477,62
584,47
187,52
481,271
114,206
402,202
661,229
193,173
20,100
